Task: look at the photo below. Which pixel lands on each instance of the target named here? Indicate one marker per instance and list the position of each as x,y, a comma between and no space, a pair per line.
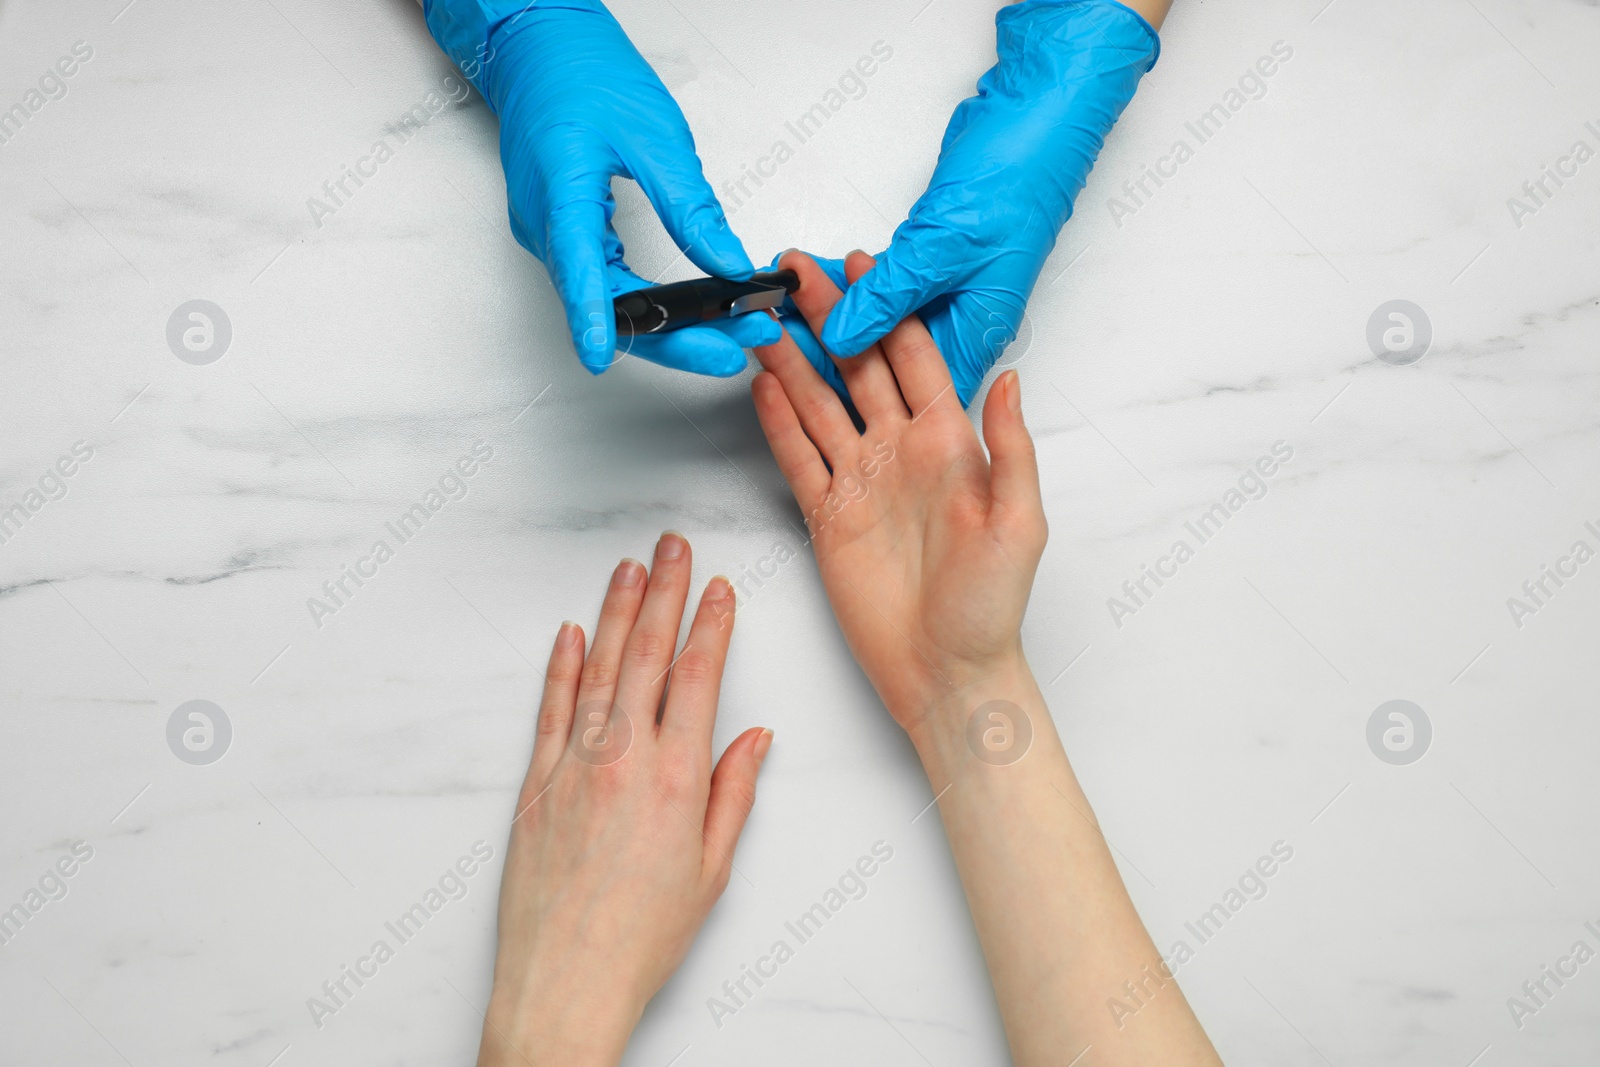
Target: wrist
554,1023
987,715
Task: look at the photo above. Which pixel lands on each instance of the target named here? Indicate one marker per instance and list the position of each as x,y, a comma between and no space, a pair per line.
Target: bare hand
624,833
926,546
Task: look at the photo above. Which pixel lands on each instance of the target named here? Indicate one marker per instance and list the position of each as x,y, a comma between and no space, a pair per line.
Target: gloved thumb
904,279
577,265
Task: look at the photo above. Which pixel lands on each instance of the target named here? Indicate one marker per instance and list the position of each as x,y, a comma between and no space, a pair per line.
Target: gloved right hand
1013,161
578,105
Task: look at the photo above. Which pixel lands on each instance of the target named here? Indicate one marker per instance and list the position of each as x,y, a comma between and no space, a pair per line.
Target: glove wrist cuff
476,34
1078,25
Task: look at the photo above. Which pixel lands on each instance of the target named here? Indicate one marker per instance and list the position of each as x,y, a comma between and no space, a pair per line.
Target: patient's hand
928,557
927,548
624,832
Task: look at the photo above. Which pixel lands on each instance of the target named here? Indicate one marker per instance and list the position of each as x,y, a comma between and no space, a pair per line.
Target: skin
613,866
929,575
1154,11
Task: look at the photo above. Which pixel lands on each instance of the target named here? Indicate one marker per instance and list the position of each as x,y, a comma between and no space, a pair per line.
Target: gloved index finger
910,273
670,176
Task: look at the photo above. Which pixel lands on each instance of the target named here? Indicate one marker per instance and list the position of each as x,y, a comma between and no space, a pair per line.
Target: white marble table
1173,342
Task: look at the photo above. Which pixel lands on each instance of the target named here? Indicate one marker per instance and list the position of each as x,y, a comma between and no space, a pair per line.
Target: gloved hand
577,105
1014,158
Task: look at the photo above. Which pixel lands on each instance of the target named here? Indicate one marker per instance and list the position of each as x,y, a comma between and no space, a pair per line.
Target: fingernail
630,572
719,589
1014,393
855,252
670,546
567,636
763,743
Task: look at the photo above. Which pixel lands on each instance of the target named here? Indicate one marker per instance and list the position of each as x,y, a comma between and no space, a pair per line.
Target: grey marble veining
1170,346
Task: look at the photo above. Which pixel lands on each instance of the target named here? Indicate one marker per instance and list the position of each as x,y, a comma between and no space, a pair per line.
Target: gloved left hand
578,105
1014,158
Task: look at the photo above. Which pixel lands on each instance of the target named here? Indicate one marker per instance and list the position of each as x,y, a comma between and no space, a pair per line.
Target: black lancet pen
660,308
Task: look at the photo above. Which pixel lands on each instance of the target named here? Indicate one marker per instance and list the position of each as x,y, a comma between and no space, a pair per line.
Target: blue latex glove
578,104
1014,158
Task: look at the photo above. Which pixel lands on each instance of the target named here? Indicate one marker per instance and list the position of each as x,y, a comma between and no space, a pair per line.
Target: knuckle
697,667
1035,527
553,722
647,646
608,781
817,407
525,799
1027,529
599,674
563,669
676,774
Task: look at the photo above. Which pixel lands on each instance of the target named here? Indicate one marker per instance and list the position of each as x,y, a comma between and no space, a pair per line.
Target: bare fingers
733,793
647,653
813,401
555,709
599,734
797,456
920,371
1015,502
696,682
867,376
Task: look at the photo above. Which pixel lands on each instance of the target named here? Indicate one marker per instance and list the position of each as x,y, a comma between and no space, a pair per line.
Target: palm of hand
927,553
918,580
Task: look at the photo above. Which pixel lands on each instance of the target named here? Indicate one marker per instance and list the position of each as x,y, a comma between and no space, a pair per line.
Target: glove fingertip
723,358
768,332
728,257
595,348
731,369
845,336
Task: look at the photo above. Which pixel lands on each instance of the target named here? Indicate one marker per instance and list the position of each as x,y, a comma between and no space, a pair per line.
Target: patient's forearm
1058,929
